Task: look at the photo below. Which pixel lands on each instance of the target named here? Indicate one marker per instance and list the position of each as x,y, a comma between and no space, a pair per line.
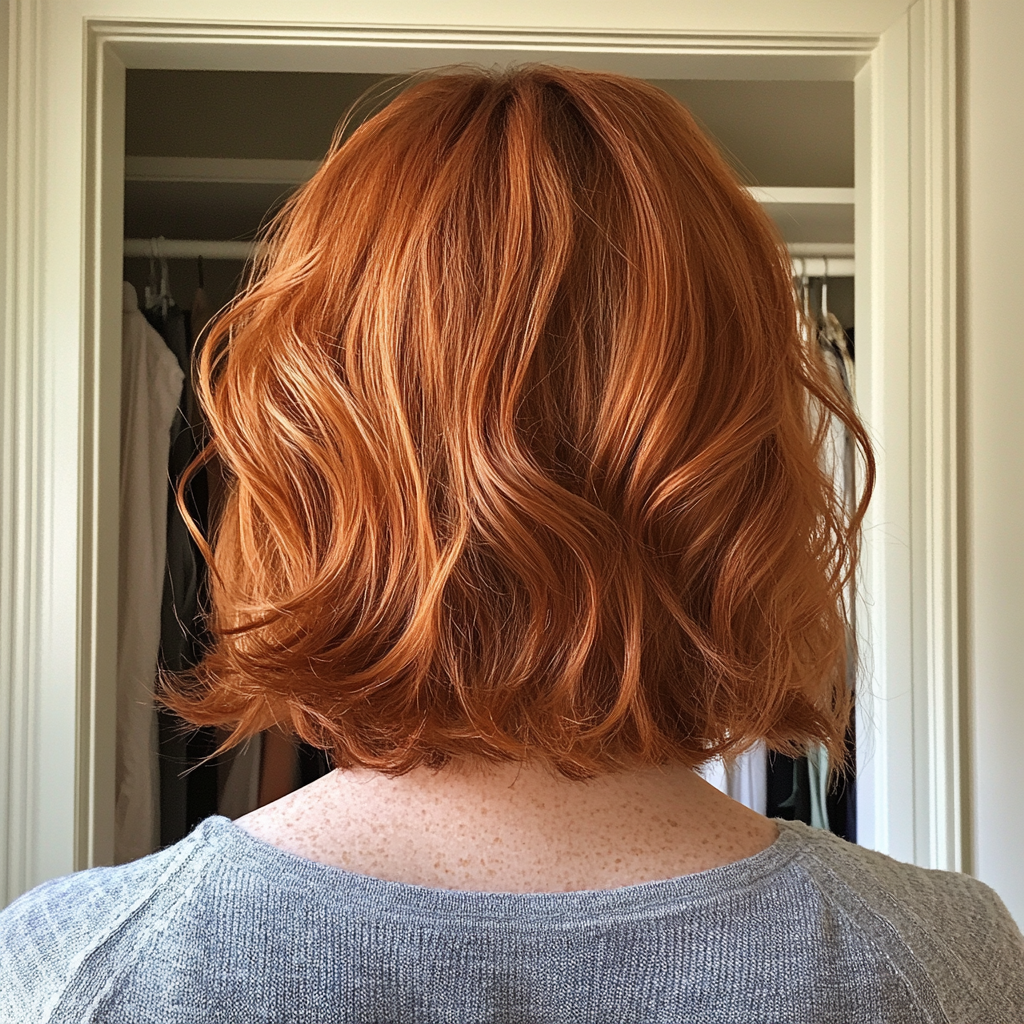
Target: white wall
993,207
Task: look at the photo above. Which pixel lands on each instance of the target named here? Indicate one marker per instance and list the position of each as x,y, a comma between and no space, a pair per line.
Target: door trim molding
910,770
61,330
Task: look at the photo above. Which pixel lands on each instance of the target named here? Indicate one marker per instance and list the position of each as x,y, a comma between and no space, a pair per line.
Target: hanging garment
151,382
202,309
843,798
817,777
188,778
841,342
838,809
314,764
834,347
745,778
789,794
840,463
239,778
181,631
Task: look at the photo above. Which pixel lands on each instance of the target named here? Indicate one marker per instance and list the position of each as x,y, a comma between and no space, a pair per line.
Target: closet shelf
241,171
225,170
802,196
810,258
227,197
820,250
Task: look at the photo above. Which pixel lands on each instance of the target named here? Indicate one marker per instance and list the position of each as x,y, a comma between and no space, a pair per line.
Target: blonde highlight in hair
523,445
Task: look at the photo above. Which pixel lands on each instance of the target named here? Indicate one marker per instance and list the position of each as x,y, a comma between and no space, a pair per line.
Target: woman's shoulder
49,934
949,928
944,900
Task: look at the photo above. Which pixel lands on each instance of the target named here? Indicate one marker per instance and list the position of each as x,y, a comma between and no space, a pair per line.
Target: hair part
523,443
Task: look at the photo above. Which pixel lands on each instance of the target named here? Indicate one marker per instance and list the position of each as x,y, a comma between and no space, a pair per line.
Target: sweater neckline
327,883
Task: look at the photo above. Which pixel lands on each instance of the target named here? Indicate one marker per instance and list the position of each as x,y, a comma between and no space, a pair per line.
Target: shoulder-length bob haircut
523,441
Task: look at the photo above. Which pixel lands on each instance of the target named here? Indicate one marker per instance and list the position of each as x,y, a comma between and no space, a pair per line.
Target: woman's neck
514,828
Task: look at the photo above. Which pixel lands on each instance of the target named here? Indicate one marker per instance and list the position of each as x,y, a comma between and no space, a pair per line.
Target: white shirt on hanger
151,382
745,779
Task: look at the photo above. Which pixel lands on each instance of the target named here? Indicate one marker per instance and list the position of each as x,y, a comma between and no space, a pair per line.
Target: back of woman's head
523,444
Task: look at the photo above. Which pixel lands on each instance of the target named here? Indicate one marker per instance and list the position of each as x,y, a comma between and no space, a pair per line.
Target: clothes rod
823,266
188,249
809,259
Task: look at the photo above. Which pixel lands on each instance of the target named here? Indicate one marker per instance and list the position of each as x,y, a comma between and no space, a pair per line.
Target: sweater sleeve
948,934
51,932
981,976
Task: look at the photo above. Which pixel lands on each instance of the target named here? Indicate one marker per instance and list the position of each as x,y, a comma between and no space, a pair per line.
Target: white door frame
59,420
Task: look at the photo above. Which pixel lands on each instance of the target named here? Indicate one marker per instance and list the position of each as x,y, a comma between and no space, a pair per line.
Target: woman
525,522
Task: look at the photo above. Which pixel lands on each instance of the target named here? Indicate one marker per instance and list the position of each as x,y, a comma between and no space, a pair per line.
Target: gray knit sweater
223,927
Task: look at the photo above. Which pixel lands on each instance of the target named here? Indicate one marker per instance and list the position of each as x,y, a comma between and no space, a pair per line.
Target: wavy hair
523,444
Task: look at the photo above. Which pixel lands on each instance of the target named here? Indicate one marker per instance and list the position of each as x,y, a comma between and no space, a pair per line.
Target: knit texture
224,927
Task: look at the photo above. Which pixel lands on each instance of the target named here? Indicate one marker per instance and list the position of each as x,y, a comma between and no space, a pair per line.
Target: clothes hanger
152,287
158,296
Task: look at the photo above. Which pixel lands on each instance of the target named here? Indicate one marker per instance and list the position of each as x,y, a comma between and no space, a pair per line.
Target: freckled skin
514,828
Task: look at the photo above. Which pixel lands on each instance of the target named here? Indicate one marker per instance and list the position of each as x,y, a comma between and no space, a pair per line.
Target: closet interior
209,157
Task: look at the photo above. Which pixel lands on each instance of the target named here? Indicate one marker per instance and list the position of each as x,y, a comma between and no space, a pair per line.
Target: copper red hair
523,444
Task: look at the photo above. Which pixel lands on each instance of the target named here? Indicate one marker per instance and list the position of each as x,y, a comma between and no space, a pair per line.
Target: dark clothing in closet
188,784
